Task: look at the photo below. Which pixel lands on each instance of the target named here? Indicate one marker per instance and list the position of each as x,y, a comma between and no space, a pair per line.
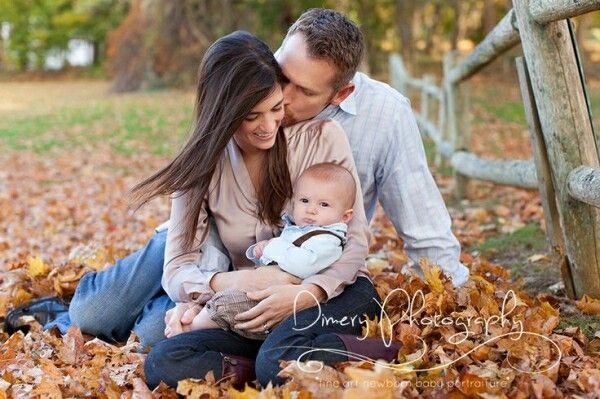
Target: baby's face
318,203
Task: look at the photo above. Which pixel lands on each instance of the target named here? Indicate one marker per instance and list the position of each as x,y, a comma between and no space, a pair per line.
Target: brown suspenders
300,240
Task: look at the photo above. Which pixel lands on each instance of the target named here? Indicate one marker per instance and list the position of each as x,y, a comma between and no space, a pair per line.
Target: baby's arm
314,255
254,252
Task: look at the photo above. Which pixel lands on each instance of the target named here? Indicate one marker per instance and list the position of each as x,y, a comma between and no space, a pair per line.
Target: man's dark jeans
193,354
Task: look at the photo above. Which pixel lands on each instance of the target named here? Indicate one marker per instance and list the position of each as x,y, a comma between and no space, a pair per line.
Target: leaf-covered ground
70,152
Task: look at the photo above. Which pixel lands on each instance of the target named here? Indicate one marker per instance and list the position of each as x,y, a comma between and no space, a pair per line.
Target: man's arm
411,199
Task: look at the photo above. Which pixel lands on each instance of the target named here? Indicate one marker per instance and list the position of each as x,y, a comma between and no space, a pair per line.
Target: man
320,56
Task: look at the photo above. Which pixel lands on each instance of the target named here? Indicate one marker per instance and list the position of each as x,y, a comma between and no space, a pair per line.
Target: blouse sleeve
333,147
186,273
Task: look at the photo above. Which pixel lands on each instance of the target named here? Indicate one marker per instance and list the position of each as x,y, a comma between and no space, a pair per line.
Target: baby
312,239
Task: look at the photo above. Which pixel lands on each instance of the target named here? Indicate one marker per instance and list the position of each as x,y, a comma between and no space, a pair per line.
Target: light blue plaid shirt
392,167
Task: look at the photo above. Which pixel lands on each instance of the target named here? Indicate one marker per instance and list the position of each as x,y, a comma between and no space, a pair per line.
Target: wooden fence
565,167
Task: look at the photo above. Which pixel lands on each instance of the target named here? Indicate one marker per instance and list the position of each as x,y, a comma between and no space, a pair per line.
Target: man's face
310,88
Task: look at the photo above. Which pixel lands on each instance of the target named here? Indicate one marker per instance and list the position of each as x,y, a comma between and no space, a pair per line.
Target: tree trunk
405,12
455,4
490,16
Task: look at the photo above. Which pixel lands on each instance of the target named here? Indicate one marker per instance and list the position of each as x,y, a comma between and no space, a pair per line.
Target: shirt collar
349,104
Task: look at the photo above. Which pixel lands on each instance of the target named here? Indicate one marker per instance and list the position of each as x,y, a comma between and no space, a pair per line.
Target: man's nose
312,209
288,92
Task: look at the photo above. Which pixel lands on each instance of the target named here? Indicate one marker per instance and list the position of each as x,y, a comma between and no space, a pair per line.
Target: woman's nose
271,124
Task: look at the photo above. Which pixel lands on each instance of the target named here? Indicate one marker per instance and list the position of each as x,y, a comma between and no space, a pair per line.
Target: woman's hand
252,279
179,318
277,303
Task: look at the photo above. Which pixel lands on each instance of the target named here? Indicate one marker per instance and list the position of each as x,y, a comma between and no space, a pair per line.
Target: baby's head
324,194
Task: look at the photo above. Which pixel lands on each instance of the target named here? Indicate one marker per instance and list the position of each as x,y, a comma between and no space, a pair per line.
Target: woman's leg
318,328
193,354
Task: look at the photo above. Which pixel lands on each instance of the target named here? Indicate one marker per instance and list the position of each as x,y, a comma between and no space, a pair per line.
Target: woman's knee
155,365
267,367
178,358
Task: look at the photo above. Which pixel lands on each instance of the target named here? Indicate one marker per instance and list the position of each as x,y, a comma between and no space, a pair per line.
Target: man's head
319,55
324,194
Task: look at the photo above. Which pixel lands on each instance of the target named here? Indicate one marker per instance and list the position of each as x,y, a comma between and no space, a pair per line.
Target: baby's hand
259,248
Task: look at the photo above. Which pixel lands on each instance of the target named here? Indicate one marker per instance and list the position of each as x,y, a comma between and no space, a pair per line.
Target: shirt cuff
250,253
329,284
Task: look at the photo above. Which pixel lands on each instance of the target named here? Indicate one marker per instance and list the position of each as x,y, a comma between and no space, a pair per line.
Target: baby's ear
347,216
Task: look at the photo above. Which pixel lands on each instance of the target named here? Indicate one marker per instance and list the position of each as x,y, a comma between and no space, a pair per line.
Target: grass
588,324
509,111
528,238
87,115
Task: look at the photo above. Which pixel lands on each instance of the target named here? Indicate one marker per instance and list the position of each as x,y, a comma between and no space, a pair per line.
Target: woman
238,166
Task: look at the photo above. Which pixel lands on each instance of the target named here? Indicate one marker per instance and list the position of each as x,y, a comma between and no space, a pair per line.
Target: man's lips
308,221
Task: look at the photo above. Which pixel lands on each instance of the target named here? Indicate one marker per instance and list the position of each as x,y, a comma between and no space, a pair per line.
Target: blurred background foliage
157,43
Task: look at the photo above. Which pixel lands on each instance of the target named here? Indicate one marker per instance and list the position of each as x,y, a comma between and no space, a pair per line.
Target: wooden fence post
567,131
399,75
554,232
457,119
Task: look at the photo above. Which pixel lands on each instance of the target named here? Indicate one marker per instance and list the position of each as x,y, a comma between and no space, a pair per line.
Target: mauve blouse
233,204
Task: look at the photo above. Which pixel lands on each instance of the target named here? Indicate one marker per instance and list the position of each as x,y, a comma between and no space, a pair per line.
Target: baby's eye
324,204
304,200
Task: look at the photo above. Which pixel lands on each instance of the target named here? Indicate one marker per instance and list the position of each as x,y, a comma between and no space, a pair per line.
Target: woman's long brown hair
236,73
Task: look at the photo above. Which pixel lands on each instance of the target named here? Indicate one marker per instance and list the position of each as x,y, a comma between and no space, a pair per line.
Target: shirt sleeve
187,273
411,199
312,256
333,146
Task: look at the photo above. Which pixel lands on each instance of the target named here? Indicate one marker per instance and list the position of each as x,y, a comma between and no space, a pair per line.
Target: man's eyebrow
306,89
276,105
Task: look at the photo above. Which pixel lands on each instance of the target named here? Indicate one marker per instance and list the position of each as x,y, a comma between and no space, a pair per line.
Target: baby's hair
332,173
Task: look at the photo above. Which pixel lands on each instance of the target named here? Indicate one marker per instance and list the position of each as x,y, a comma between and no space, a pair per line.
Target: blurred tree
169,37
41,26
98,18
127,50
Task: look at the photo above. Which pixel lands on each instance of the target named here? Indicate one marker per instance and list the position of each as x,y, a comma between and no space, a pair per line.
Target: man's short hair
331,36
329,172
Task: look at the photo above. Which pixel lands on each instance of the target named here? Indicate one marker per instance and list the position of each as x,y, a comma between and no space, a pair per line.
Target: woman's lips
264,137
308,221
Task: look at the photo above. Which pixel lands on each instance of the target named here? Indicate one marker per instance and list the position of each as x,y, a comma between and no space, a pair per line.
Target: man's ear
347,216
342,94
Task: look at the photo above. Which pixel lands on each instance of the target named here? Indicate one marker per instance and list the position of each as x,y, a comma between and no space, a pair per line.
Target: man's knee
150,331
94,312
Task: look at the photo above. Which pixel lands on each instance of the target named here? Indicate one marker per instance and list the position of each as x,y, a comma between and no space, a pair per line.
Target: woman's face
259,130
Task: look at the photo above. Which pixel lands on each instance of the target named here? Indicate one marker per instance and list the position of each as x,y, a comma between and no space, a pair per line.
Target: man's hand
277,303
259,248
179,318
252,279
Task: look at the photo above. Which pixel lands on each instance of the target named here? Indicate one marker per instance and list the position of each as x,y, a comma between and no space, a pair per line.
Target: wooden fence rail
566,166
545,11
584,185
501,39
